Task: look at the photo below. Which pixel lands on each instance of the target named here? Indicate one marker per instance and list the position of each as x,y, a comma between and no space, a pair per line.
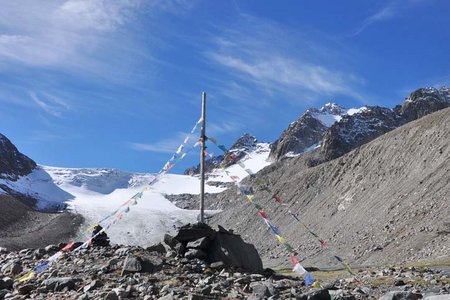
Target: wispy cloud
277,62
393,9
50,104
168,145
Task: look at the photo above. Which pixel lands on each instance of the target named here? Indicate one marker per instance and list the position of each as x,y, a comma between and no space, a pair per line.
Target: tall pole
202,159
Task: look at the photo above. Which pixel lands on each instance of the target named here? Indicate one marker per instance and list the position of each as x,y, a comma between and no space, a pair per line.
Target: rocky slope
386,201
21,225
13,163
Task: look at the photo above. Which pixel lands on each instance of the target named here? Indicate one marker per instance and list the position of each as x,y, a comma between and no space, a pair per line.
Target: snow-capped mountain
241,149
96,193
307,132
337,130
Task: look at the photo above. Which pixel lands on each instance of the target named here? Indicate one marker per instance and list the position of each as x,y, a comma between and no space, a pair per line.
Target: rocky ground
23,227
123,272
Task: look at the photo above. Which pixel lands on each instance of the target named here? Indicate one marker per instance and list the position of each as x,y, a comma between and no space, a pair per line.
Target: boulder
234,252
59,283
192,232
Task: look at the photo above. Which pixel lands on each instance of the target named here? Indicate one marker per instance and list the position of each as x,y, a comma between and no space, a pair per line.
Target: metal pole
202,159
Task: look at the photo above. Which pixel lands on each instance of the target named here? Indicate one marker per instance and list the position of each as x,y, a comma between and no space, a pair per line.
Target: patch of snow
328,119
39,185
353,111
253,161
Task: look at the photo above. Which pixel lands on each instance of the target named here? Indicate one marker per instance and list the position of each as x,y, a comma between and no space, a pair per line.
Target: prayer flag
27,276
180,149
186,139
280,239
127,209
317,285
234,178
309,279
323,244
183,155
278,199
289,248
222,147
299,269
274,229
338,259
294,260
41,267
55,256
213,140
347,267
250,197
258,207
262,214
68,247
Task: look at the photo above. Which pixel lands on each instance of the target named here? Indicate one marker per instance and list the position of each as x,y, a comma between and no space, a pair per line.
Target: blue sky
117,83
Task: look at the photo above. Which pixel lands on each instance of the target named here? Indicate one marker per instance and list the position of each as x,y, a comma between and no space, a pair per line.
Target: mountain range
372,181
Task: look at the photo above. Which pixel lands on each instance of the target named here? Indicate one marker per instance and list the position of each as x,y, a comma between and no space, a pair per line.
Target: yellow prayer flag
182,156
27,276
280,239
250,197
317,285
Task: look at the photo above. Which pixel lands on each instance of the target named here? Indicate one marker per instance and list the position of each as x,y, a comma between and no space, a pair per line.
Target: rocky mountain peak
13,164
307,131
422,102
329,108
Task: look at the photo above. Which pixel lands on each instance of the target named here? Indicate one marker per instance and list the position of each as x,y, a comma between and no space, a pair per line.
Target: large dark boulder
191,232
13,164
202,242
230,249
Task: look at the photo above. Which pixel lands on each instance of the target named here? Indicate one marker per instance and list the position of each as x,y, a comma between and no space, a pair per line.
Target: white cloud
50,104
168,145
276,61
391,10
59,33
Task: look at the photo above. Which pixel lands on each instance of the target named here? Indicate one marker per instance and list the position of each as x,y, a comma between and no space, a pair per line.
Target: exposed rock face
355,130
300,135
13,164
307,131
423,102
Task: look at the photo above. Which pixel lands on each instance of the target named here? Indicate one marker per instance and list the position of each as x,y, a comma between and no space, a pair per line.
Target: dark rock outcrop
423,102
355,130
299,135
202,242
13,164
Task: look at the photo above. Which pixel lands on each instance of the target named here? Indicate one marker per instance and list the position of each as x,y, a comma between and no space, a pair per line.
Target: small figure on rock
99,239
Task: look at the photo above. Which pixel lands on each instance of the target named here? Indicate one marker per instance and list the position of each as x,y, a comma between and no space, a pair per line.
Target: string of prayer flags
118,213
248,192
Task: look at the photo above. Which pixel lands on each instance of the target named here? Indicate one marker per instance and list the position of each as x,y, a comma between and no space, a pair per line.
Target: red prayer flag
262,214
68,247
278,199
294,260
